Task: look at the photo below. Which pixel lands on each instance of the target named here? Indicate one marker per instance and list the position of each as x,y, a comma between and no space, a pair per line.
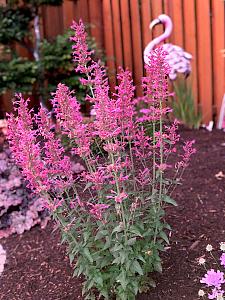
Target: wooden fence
121,28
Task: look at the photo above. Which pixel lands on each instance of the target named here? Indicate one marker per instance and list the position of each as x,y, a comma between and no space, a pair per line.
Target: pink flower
81,53
156,84
53,205
143,177
222,259
142,144
216,293
113,147
25,147
68,113
97,209
118,198
213,278
124,101
188,151
98,178
57,163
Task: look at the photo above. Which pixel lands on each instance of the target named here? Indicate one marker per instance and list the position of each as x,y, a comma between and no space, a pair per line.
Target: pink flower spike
97,210
119,198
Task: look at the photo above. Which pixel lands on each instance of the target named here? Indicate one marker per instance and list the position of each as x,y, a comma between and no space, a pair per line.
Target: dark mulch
38,269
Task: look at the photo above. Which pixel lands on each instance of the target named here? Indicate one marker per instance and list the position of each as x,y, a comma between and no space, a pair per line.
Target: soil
38,269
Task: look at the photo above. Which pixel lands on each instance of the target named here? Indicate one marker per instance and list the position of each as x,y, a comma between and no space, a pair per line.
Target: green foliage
35,3
44,2
114,259
184,106
14,24
57,66
17,74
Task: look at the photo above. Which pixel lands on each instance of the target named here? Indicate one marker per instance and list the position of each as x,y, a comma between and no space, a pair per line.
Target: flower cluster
20,209
214,279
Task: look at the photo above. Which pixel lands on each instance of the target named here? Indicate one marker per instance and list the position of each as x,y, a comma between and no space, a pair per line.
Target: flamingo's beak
154,23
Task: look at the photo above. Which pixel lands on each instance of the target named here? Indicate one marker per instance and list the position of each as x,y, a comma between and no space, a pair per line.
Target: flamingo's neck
168,29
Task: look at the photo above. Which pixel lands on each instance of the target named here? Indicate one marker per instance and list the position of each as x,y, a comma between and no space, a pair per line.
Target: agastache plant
112,214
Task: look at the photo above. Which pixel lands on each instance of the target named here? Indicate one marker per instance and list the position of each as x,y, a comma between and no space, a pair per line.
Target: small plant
213,279
112,214
184,107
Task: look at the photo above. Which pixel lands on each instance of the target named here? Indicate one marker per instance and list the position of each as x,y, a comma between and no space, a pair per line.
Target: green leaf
98,279
101,234
117,247
158,267
131,241
88,255
140,257
117,229
135,230
122,279
163,235
104,293
136,267
71,257
169,200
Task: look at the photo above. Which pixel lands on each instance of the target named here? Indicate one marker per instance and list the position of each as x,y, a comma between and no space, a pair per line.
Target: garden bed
38,269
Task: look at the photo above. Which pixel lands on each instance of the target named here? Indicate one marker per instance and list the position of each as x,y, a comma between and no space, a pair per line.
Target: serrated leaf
158,267
163,235
169,200
117,229
101,234
122,279
140,257
136,267
135,230
104,293
131,241
117,247
71,257
98,279
117,260
88,254
107,244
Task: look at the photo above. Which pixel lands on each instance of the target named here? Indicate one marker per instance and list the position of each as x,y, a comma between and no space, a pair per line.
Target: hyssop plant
112,215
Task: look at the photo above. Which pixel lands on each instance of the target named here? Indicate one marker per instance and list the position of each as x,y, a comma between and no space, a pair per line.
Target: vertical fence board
175,12
146,18
122,28
157,9
68,14
82,10
190,45
204,58
96,22
117,33
53,21
126,31
218,44
108,38
136,45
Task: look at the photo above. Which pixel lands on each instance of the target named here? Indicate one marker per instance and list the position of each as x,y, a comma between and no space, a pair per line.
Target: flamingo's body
177,58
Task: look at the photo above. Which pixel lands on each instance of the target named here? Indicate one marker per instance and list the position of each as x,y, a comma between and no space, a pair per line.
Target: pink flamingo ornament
177,58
